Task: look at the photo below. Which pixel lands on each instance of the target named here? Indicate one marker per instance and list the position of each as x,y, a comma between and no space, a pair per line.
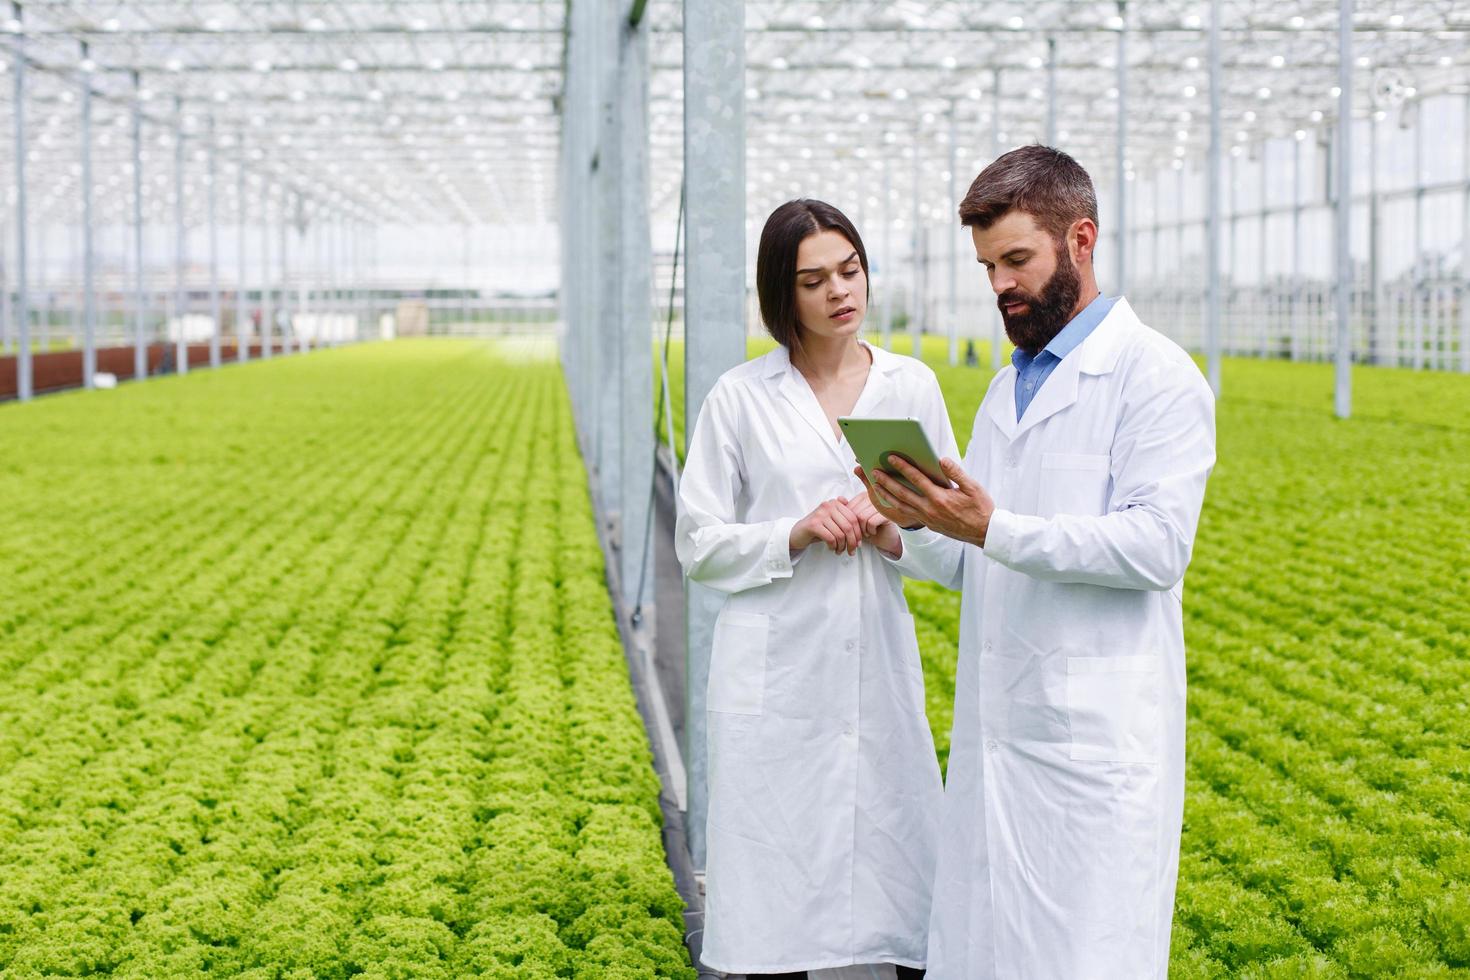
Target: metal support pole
636,283
140,312
997,325
607,189
242,305
1051,91
1415,277
1465,242
1296,249
1376,304
89,244
214,303
284,247
181,345
916,307
1264,317
885,276
1122,148
23,376
1179,287
954,259
1343,387
1212,209
714,304
267,307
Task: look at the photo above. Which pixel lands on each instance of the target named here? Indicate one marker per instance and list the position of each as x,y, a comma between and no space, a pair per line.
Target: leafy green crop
308,669
1327,617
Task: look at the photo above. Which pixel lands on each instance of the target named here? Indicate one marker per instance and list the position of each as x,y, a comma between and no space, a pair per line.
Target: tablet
874,440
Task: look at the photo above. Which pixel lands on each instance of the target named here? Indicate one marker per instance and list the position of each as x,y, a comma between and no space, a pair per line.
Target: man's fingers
896,491
956,473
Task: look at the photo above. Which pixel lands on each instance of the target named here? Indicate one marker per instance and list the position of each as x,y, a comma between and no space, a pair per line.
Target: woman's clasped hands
842,524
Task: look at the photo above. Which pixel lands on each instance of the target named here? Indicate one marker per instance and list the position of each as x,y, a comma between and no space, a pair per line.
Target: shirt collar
1070,337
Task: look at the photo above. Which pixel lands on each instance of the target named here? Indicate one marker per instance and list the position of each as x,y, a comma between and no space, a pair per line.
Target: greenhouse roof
447,113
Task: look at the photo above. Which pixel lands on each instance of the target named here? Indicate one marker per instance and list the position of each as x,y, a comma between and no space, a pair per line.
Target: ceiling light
348,64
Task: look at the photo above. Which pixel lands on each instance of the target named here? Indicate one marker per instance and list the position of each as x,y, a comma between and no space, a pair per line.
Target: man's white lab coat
1059,841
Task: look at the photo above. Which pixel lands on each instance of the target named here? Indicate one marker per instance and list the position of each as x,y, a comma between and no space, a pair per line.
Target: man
1069,529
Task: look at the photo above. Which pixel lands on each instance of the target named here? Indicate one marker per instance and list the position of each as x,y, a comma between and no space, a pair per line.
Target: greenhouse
363,368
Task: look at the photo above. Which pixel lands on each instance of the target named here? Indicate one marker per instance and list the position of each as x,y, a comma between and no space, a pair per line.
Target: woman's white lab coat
1060,838
824,788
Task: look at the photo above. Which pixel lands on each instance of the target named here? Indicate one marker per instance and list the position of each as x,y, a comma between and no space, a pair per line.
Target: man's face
1036,283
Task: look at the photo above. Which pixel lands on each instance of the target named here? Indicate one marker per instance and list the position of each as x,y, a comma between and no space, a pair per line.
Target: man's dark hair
775,261
1042,181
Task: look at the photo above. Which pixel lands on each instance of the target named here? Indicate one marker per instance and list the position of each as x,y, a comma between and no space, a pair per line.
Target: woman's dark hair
775,262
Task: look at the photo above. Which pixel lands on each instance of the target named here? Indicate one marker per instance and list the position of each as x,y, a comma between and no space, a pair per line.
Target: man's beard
1046,314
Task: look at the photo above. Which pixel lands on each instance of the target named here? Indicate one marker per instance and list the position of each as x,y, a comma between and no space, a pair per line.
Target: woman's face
831,287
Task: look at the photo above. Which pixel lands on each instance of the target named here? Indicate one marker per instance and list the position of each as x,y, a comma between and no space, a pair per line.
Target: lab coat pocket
1113,709
737,671
1073,483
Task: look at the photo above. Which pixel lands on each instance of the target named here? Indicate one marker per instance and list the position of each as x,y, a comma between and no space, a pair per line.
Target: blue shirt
1032,372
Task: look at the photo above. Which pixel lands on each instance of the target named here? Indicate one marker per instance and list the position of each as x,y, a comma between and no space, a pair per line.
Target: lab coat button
989,646
992,745
851,644
1011,461
847,730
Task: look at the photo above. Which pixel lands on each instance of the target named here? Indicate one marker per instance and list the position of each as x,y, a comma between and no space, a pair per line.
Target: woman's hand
833,523
876,527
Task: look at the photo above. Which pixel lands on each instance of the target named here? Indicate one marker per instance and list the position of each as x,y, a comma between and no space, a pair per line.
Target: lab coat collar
1097,355
794,388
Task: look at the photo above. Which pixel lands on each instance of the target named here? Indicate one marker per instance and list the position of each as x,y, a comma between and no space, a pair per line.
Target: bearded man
1068,528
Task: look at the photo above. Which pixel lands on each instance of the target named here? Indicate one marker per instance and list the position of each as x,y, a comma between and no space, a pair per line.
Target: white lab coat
1059,843
824,788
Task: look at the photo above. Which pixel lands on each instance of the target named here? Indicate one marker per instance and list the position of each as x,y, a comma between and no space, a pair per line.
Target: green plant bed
308,669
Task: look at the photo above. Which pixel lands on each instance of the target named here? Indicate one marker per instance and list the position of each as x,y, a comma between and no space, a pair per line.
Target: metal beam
267,306
89,244
181,346
140,311
1465,241
23,378
1212,209
214,303
886,279
916,246
714,305
242,308
1122,148
997,325
1051,91
953,255
636,282
1343,354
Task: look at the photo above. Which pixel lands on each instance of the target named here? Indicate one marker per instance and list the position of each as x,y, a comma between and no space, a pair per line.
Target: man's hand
962,512
887,506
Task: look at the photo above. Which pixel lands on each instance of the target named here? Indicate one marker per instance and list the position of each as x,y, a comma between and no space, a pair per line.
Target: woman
824,789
